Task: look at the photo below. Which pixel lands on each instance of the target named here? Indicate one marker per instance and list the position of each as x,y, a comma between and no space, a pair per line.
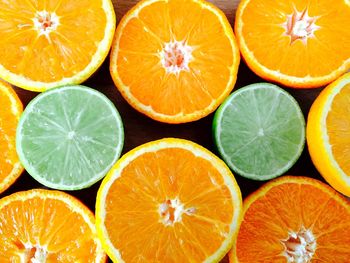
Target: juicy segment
63,52
280,208
202,206
338,126
141,40
319,54
10,110
44,225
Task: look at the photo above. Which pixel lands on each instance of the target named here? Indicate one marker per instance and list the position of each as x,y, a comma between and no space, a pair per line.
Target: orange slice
10,110
168,201
294,219
47,226
175,61
50,43
298,43
328,136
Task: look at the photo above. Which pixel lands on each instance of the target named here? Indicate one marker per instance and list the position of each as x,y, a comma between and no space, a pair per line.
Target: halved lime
68,138
260,131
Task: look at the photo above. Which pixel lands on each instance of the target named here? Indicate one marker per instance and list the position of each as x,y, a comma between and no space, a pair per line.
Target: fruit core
45,22
171,211
300,25
176,56
299,246
35,254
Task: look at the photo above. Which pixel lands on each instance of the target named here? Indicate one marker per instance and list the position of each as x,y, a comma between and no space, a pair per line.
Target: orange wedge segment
47,226
175,61
168,201
294,219
328,135
300,44
49,43
10,110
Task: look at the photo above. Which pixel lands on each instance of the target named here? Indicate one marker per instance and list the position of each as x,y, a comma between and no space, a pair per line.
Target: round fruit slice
68,138
300,44
47,226
294,219
260,131
10,111
175,61
51,43
168,201
328,134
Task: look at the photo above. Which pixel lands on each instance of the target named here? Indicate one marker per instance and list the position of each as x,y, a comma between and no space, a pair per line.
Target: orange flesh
133,218
47,222
65,52
338,128
264,34
139,57
287,205
8,125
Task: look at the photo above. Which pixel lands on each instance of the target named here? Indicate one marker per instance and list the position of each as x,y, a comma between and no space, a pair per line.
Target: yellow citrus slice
294,220
298,43
168,201
175,61
50,43
10,110
47,226
328,136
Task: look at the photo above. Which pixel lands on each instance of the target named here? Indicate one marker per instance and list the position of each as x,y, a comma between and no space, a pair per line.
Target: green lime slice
68,138
259,131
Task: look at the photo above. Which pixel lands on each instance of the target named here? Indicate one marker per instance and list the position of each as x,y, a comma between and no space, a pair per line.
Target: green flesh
68,138
260,131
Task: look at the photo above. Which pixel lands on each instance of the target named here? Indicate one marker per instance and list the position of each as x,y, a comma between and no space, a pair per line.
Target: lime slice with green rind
260,131
68,138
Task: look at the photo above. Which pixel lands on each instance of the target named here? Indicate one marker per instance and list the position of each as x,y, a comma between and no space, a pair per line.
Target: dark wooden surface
140,129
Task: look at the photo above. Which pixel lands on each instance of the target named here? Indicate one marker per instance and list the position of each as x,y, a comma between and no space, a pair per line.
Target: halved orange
174,60
328,134
50,43
298,43
294,219
10,110
168,201
47,226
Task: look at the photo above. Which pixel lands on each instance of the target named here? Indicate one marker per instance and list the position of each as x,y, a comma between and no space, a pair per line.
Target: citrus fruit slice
300,44
168,201
47,226
68,138
50,43
328,135
175,61
294,219
10,111
260,131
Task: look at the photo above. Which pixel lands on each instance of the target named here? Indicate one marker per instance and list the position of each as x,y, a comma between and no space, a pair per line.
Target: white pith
38,257
45,22
300,246
171,211
300,25
176,56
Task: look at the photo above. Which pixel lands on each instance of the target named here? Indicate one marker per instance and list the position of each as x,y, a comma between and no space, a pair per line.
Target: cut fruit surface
47,226
51,43
168,201
300,44
294,219
10,110
68,138
260,131
328,136
175,61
